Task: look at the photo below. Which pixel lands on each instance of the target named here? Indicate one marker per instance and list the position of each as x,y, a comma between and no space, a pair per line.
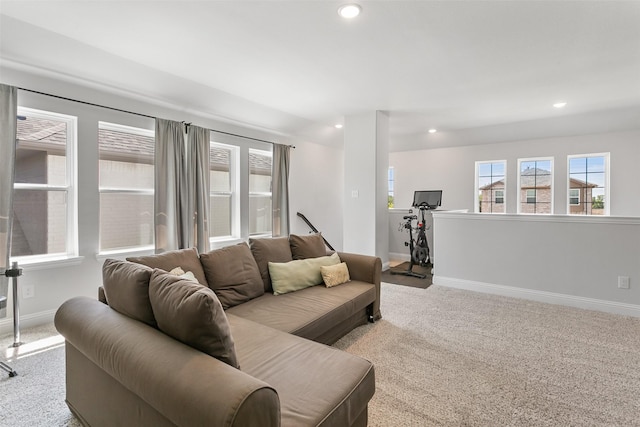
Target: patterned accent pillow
334,275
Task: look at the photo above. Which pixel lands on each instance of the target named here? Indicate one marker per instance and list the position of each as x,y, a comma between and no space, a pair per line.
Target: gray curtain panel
171,204
280,190
197,187
8,113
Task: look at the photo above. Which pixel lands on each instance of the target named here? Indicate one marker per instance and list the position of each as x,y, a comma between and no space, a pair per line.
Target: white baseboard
540,296
399,256
27,321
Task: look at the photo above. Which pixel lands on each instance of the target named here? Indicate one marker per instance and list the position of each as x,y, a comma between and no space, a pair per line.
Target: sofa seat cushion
309,312
317,385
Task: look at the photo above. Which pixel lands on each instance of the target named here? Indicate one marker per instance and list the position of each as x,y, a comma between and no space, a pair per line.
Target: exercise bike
418,247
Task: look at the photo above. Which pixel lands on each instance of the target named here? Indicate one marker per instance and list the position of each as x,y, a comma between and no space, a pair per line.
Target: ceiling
477,71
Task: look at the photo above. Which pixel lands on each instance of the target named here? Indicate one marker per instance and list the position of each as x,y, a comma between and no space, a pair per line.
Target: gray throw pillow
309,246
192,314
268,250
126,289
233,274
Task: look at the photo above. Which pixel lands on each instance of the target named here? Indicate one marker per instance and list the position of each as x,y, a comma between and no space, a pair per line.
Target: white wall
315,188
316,176
452,169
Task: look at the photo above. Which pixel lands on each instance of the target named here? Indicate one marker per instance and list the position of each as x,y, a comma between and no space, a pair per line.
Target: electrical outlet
28,291
623,282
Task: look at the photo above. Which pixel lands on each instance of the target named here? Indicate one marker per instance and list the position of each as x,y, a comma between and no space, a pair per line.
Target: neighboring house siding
542,204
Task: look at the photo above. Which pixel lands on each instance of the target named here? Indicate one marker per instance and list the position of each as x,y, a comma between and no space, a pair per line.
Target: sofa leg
370,314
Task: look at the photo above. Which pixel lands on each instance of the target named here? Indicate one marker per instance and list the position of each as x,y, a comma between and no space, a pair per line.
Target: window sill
124,253
44,263
221,242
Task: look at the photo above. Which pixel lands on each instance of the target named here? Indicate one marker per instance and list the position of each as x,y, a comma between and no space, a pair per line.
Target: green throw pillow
299,274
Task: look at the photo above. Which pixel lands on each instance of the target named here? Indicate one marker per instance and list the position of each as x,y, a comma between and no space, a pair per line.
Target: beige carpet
443,357
447,357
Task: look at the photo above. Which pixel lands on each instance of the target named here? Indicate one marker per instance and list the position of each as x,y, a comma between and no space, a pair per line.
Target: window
574,196
391,179
44,201
223,218
531,196
535,186
126,187
260,192
490,186
588,184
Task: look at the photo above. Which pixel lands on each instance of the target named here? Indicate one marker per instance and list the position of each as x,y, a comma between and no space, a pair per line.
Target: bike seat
410,217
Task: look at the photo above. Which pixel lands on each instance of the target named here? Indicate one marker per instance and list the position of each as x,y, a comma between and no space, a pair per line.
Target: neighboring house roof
50,136
535,178
542,180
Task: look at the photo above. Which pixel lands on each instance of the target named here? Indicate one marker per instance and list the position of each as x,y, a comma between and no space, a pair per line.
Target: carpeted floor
443,357
448,357
400,279
35,397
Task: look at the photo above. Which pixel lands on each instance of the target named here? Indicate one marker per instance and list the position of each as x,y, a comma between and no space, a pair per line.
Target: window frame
574,197
70,189
532,196
476,199
250,193
119,190
391,178
234,192
607,180
520,202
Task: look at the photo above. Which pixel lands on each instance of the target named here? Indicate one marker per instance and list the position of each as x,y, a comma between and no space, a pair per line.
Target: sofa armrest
368,269
186,386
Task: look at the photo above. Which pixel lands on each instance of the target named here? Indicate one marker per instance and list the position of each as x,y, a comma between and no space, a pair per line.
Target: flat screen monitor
431,198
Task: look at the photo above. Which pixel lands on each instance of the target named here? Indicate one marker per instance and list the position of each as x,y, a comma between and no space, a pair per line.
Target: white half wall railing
580,261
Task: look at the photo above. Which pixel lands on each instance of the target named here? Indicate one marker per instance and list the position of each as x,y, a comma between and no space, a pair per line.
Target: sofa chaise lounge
140,355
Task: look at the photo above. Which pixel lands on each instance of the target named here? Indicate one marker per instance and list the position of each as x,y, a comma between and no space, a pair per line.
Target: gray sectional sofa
188,339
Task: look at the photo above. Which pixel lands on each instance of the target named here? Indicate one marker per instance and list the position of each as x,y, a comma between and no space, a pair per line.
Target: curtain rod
139,114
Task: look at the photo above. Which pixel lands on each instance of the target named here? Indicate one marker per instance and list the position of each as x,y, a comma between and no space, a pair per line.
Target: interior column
366,163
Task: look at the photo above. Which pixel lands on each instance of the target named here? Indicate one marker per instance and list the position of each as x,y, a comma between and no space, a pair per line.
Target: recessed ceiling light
349,11
338,126
433,130
560,104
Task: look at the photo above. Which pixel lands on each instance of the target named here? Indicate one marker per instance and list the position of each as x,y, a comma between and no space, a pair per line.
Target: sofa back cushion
298,274
192,314
268,250
309,246
187,259
126,289
233,274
